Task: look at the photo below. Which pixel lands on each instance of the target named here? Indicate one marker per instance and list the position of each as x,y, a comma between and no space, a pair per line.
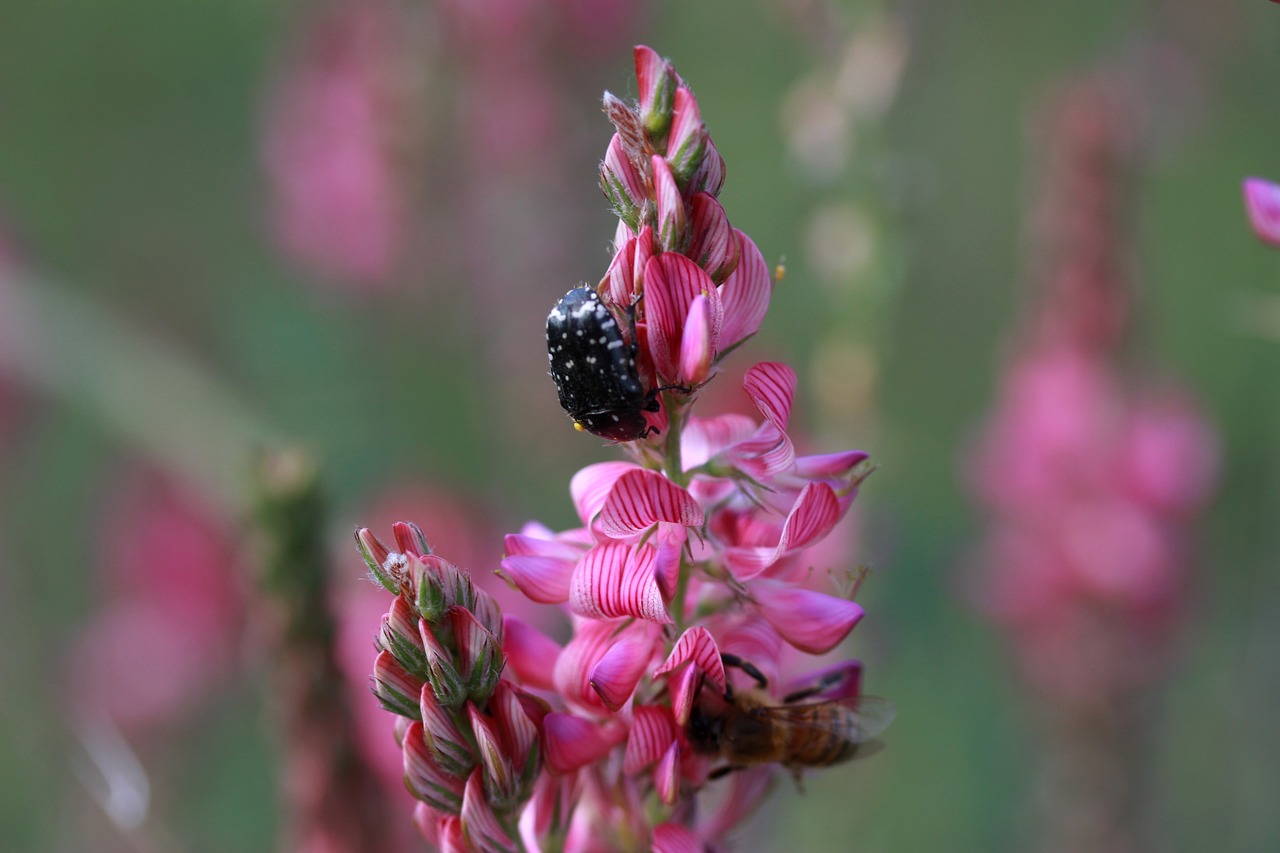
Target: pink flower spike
745,294
672,282
696,348
811,621
615,676
653,730
480,825
572,742
591,486
714,244
528,650
614,579
666,776
688,140
1262,203
675,838
640,499
673,219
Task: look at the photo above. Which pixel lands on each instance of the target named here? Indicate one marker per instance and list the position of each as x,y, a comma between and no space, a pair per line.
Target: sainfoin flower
690,598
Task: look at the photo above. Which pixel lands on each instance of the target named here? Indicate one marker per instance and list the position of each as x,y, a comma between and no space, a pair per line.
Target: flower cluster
686,583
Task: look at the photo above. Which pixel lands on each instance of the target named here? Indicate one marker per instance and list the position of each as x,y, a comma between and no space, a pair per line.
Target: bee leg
829,680
724,770
746,666
797,775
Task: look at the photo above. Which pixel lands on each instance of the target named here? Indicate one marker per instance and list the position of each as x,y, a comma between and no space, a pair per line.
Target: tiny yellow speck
779,272
579,427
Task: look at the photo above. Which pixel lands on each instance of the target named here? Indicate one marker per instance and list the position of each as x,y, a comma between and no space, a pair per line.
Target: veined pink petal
666,566
499,773
709,177
449,835
666,776
428,820
684,690
528,650
591,486
621,181
573,742
713,243
444,740
653,730
480,825
811,621
1262,203
410,539
687,141
745,294
424,777
696,645
672,282
394,687
673,220
621,273
621,234
829,465
815,512
518,730
615,676
772,387
571,675
674,838
614,579
641,498
696,350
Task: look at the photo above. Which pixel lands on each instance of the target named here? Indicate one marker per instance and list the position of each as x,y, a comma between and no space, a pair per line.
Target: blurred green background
131,178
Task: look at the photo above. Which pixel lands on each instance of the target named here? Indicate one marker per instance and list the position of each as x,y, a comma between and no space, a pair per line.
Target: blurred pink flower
1262,204
338,198
172,604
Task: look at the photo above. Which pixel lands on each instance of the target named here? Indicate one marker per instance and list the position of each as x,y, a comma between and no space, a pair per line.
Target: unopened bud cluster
469,737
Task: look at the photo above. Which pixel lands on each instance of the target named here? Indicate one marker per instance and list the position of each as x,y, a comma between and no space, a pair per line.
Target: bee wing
871,714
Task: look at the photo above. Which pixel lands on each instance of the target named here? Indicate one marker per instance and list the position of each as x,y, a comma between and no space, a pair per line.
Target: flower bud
447,744
480,657
444,678
425,778
395,688
399,635
375,556
657,82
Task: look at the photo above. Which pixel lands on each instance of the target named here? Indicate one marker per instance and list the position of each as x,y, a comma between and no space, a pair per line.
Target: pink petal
815,512
672,282
590,487
703,438
518,730
443,738
499,771
745,294
829,465
1262,203
424,777
674,838
621,181
450,837
666,776
709,177
713,244
696,350
619,670
641,498
697,645
684,691
772,387
653,730
528,650
614,579
410,539
673,220
480,825
655,80
573,742
811,621
838,681
544,579
571,675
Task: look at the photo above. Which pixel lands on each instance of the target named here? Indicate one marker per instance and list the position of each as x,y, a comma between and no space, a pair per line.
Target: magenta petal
640,498
745,294
1262,203
528,650
621,275
672,282
654,79
653,730
697,645
684,690
590,487
674,838
696,350
815,512
829,465
615,676
703,438
772,387
518,730
573,742
811,621
687,141
714,244
571,674
666,776
543,579
621,173
673,219
614,579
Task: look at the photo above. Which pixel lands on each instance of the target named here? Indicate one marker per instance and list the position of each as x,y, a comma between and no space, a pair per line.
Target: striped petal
703,438
687,143
815,512
519,730
480,825
540,568
641,498
615,579
696,347
442,736
573,742
713,244
656,83
672,231
811,621
590,487
424,777
653,730
672,282
528,650
622,183
1262,204
666,776
675,838
697,646
745,294
395,688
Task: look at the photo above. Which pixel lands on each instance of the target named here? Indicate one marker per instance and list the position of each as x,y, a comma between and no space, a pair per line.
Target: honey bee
744,728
